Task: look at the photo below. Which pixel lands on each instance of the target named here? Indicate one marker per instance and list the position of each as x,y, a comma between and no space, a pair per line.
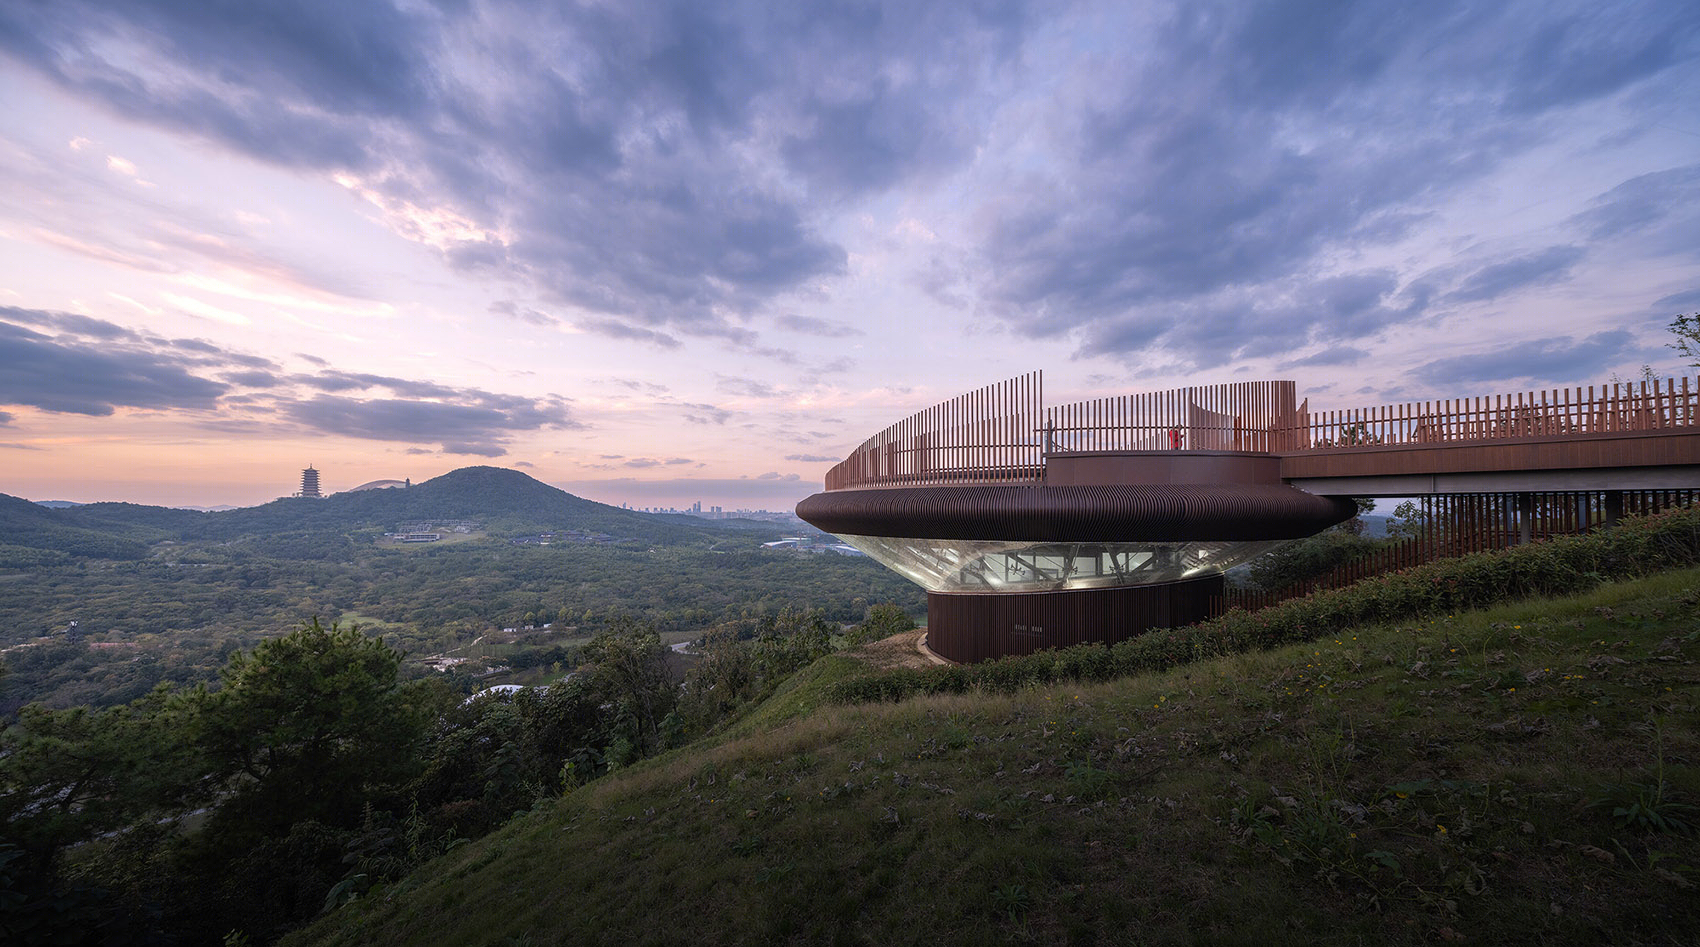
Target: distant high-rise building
310,483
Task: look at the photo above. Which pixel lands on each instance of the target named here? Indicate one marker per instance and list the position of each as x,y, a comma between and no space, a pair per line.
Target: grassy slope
1405,784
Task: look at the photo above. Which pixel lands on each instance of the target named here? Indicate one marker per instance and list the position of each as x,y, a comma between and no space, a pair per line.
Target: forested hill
29,532
503,501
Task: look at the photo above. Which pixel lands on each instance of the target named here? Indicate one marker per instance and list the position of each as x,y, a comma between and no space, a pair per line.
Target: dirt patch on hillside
902,650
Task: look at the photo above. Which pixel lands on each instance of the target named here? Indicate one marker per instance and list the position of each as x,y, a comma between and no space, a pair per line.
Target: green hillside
33,535
1526,774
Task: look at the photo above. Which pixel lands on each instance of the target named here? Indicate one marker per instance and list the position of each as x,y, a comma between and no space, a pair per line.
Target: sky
658,252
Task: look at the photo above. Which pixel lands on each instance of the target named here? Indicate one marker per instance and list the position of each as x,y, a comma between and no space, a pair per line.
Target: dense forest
100,603
313,773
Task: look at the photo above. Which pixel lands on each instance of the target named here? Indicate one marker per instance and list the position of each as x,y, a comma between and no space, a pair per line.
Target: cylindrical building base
970,627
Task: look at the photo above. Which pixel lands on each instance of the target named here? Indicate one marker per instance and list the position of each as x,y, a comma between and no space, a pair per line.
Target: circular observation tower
1036,528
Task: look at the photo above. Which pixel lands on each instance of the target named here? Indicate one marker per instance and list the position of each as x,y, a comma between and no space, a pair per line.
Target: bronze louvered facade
978,627
1099,513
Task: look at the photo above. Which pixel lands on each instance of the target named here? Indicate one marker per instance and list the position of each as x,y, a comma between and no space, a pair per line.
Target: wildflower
1442,828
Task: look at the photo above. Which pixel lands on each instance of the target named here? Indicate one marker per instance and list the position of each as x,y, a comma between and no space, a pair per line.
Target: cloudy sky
662,251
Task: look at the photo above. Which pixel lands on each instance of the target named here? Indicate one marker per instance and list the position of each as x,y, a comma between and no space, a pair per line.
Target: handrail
995,434
986,435
1649,406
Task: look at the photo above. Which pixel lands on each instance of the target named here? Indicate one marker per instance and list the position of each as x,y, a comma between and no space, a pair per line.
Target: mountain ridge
505,501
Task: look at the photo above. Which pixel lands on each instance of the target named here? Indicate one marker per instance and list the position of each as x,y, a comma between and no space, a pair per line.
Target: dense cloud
1257,144
93,367
1183,183
1540,360
94,376
647,161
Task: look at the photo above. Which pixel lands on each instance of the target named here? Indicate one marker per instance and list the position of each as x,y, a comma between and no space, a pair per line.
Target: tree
312,725
883,621
67,776
1315,555
1687,331
1409,521
629,671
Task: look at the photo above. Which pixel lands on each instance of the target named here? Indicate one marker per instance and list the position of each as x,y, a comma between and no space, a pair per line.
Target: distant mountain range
67,504
506,502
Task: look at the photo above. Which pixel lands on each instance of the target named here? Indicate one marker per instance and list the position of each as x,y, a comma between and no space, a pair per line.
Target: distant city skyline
659,252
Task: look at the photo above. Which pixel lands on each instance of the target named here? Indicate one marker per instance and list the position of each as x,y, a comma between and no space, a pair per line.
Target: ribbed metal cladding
1125,512
970,627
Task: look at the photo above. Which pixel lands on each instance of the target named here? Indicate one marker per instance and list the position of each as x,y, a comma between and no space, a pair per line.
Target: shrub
1635,547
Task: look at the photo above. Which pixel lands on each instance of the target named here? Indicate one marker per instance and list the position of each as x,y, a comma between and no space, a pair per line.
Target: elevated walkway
1664,459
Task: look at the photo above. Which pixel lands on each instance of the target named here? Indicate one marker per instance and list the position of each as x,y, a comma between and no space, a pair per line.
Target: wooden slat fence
1000,433
1251,416
989,435
1649,405
1460,524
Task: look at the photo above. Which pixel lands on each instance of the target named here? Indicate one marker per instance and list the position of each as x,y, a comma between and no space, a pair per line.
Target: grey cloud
514,310
1677,303
252,379
746,386
1594,52
615,329
813,458
809,325
632,153
305,74
9,445
1533,269
1255,144
1648,202
96,374
1279,316
1337,355
705,414
70,375
481,427
871,140
475,449
7,417
74,323
1556,359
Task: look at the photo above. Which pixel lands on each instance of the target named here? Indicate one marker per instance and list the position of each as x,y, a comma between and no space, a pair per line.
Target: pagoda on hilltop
310,484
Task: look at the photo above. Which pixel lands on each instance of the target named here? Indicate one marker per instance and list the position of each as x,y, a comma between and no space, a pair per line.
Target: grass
1520,774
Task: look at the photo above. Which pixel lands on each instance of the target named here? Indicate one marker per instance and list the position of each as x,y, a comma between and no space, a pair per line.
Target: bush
1635,547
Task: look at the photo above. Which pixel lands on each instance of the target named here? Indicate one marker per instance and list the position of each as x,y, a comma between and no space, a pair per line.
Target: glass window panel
963,565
